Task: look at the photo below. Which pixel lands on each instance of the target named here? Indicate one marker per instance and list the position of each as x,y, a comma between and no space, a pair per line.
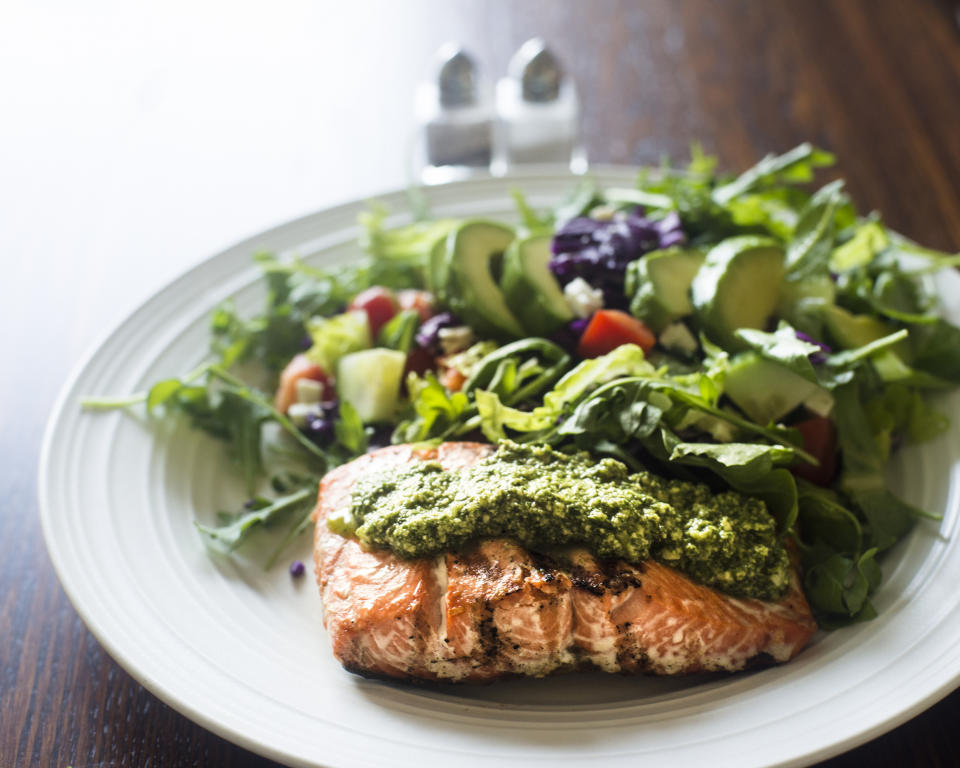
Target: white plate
243,652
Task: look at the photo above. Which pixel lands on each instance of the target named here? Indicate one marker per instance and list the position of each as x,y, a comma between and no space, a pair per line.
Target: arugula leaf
581,198
775,210
795,166
401,255
438,412
519,370
264,512
334,337
534,223
869,239
623,413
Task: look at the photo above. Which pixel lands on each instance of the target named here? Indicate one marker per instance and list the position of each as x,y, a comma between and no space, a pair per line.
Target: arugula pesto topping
543,499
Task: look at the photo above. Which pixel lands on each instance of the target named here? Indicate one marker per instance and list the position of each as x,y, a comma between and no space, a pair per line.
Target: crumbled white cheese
453,340
602,212
309,391
582,298
677,336
300,413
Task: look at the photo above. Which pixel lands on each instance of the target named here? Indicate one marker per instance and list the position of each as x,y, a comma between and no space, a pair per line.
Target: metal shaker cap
456,77
538,71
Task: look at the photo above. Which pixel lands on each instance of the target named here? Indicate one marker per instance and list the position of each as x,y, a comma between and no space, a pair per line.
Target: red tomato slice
380,305
820,440
301,367
608,329
421,301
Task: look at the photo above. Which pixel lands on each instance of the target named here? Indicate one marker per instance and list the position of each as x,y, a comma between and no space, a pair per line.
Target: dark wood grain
876,81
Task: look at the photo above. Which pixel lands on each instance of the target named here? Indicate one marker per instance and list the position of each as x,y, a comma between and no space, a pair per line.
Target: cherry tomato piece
610,328
301,367
453,379
421,301
380,305
819,440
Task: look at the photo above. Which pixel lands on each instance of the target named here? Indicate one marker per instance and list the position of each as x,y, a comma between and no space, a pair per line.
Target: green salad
751,334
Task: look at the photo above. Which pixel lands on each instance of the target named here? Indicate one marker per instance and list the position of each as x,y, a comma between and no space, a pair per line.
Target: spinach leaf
840,586
824,520
784,347
349,429
863,478
936,350
398,333
810,246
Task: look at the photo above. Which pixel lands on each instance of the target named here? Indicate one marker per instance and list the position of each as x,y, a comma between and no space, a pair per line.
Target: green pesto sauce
544,499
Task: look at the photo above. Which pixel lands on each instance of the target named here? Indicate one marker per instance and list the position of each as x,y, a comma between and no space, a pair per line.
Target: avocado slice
767,391
531,289
738,286
469,286
660,284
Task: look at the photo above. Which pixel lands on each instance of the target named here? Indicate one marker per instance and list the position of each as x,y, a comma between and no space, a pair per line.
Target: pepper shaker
538,111
456,117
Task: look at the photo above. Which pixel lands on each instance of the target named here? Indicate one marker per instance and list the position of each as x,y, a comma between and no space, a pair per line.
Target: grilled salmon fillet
498,610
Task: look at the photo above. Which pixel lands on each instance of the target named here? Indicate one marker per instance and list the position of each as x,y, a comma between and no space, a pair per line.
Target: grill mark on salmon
499,610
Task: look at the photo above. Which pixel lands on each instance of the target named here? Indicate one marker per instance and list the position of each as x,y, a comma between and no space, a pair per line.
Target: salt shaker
538,111
456,117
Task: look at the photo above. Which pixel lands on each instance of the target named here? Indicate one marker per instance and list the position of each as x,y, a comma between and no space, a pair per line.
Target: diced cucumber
471,290
370,382
767,391
738,286
531,289
660,285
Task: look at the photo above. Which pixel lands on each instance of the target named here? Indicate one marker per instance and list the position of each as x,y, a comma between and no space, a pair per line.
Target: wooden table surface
136,139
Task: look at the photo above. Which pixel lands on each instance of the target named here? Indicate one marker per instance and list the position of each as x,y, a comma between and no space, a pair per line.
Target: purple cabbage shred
568,336
815,357
319,427
599,251
428,335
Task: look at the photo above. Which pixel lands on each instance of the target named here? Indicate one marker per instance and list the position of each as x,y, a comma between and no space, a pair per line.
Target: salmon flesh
498,610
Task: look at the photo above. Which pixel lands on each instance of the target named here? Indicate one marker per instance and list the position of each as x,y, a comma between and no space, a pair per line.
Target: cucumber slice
767,391
738,286
660,284
370,382
531,289
471,290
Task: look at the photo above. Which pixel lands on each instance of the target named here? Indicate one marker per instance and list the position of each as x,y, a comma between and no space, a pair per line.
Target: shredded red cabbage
599,251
